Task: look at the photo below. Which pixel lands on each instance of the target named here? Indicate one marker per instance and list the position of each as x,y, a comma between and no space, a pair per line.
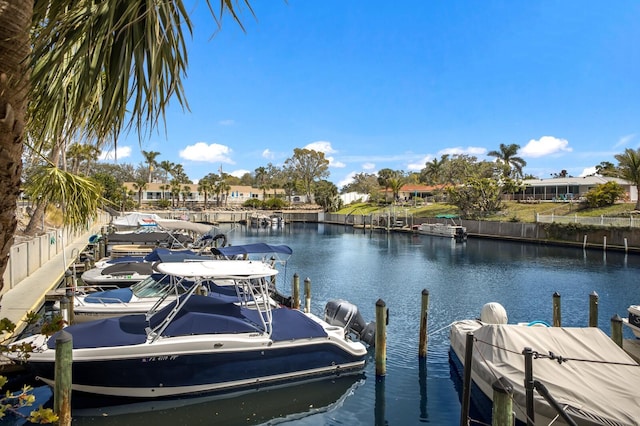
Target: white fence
630,221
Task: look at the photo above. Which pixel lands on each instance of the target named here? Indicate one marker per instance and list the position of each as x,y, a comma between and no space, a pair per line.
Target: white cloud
546,145
321,146
226,122
347,180
268,154
334,163
212,153
121,151
239,173
588,171
368,166
624,141
416,167
470,150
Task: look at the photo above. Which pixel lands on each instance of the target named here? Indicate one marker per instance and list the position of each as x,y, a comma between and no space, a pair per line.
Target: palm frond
80,197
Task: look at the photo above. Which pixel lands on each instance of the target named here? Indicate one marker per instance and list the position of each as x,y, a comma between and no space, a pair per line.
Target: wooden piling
70,313
616,330
64,309
557,310
424,317
466,384
295,303
63,380
593,309
529,385
502,412
307,295
381,338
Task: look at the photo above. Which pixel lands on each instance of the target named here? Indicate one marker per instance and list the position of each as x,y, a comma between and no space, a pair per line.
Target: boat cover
597,377
136,219
148,237
175,225
128,268
119,295
260,248
199,315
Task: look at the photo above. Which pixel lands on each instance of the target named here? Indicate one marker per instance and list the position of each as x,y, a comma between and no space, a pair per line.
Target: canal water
362,267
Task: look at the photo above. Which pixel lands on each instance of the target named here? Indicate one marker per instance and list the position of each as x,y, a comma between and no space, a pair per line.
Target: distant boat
591,378
200,344
457,232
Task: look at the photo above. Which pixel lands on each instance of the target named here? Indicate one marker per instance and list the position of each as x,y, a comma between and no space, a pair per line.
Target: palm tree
140,185
629,167
96,69
512,165
150,159
167,167
433,169
261,180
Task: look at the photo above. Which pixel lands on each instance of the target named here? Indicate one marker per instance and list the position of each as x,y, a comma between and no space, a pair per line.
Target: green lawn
513,211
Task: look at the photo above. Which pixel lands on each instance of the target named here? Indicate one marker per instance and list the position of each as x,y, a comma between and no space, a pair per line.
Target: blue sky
376,84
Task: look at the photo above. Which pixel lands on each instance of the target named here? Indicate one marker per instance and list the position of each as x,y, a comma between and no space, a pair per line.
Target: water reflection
272,405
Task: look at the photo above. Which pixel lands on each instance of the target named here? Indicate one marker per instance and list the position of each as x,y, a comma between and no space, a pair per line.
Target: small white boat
633,320
457,232
592,379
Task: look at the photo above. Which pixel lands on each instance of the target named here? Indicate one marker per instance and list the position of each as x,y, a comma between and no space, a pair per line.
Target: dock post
466,384
593,309
64,309
307,295
557,310
529,385
424,318
62,390
69,293
382,318
296,291
502,414
616,329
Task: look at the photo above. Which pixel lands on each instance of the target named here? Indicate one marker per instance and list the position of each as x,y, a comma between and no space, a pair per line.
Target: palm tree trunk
638,195
15,21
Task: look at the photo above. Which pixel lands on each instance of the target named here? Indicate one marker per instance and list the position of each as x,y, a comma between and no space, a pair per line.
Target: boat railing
157,331
256,292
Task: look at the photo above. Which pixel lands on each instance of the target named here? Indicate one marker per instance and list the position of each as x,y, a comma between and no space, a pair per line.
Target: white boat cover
184,225
240,269
135,219
599,379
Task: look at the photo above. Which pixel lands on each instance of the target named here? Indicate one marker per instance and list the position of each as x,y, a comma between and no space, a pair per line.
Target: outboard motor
344,314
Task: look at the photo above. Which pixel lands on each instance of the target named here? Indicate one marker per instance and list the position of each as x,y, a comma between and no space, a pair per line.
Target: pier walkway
30,292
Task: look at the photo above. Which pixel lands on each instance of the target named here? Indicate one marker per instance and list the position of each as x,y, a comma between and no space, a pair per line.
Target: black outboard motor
344,314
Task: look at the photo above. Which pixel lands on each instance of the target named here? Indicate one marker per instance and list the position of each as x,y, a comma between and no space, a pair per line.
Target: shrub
605,195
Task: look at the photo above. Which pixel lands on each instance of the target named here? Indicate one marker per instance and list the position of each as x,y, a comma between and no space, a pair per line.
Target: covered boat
589,376
201,344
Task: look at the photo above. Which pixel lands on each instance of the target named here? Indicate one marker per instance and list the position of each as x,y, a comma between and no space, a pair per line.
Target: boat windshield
157,285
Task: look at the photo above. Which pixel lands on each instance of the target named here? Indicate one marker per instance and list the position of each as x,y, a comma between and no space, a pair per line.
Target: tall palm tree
433,169
140,185
150,159
629,167
261,180
167,167
88,67
511,163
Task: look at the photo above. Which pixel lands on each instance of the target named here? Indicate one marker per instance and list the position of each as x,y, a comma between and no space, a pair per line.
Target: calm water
362,268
